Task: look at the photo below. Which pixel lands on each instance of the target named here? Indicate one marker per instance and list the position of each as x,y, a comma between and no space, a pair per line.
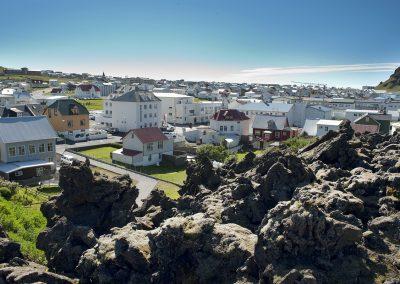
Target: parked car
67,160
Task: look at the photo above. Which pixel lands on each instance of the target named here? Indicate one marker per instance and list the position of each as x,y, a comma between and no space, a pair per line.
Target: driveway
144,184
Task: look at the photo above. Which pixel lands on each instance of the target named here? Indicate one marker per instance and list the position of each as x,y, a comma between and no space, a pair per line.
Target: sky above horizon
340,42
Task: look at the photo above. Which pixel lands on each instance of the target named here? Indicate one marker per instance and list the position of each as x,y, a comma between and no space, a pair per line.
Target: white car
67,159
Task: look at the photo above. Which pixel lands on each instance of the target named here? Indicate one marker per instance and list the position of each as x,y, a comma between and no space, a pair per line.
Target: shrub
296,143
216,153
6,193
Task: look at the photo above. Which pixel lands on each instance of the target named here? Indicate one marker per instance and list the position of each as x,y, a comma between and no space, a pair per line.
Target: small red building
268,128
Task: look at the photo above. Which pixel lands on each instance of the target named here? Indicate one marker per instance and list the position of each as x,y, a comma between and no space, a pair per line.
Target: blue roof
25,128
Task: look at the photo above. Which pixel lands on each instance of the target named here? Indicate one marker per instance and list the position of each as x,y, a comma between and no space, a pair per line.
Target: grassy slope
21,217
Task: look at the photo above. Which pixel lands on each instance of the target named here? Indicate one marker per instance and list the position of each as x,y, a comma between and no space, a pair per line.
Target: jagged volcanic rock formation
328,214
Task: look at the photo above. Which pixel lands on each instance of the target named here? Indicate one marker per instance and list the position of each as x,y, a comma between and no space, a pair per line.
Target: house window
49,113
145,115
50,147
75,110
21,150
39,171
55,112
231,127
32,149
221,128
160,144
277,134
225,128
155,115
150,146
160,156
41,148
11,151
145,106
19,173
150,106
149,158
69,123
326,128
155,106
82,122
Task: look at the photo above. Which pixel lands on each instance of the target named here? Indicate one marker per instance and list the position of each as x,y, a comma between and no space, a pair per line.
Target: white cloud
277,71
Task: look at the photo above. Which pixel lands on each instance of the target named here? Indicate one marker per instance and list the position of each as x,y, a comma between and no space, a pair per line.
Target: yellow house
69,118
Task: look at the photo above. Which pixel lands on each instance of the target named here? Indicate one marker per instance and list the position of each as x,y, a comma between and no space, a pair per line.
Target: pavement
144,184
111,139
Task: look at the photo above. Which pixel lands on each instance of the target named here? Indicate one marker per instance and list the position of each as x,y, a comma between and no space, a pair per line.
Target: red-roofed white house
143,147
230,121
87,91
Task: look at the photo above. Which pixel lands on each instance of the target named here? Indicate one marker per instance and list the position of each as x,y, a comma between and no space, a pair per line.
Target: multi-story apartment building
27,149
134,109
182,109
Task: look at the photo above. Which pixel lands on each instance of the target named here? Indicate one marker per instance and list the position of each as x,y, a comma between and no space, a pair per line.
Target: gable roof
64,106
310,127
88,87
25,128
358,120
137,96
26,110
229,115
270,122
319,107
148,135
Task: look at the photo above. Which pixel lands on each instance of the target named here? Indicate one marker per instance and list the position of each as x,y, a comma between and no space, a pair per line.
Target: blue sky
339,42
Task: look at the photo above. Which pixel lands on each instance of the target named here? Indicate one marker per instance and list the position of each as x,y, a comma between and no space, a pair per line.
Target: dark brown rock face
327,215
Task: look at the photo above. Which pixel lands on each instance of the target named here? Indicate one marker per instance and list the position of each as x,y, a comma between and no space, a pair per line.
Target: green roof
64,106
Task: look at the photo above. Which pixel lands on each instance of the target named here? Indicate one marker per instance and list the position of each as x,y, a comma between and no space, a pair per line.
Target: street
144,184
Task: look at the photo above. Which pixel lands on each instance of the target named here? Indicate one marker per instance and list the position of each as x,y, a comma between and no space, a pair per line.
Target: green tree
216,153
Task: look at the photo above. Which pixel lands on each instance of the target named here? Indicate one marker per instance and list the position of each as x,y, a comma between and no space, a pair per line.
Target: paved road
145,184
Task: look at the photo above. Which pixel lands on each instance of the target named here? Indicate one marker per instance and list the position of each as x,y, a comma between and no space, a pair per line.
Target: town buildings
325,125
182,109
27,149
69,118
143,147
87,91
267,128
134,109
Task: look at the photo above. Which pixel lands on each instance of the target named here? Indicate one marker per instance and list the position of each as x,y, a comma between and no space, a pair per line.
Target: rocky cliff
391,84
328,214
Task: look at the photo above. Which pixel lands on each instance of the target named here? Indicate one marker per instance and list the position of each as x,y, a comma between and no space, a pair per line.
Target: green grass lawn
167,173
101,153
170,189
240,156
21,218
92,104
197,100
164,172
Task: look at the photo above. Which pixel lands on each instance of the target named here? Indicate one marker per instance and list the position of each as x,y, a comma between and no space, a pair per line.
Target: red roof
88,87
147,135
229,115
129,152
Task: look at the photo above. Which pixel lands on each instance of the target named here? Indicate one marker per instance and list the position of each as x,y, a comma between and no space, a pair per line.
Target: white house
279,109
143,147
20,97
354,114
325,125
106,88
87,91
318,112
134,109
182,109
231,125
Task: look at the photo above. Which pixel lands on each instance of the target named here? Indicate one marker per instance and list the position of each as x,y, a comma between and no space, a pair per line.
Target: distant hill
391,84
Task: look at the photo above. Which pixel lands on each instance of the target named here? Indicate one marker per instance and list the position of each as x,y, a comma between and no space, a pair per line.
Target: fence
118,165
